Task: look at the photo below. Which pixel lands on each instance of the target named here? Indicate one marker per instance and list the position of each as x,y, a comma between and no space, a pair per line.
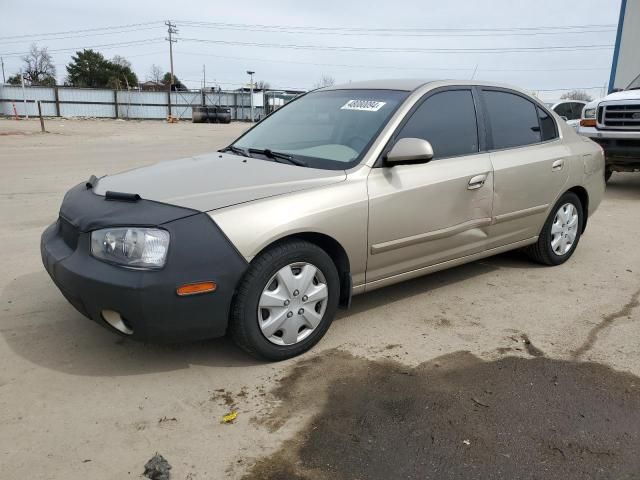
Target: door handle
477,181
557,165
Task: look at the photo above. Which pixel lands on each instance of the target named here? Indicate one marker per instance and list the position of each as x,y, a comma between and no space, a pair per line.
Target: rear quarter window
548,129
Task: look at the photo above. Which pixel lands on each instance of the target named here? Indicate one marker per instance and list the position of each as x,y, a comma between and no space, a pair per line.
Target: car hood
212,181
622,95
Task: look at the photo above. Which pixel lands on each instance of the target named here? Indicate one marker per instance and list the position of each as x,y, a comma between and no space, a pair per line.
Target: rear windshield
326,129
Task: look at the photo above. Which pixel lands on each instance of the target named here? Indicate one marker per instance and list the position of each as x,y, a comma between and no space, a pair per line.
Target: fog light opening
114,319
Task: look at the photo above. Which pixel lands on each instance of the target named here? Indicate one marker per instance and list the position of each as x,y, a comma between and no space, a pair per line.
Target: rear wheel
561,232
286,301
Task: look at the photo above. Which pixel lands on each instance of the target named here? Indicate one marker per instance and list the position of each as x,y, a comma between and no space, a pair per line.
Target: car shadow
40,326
429,283
623,186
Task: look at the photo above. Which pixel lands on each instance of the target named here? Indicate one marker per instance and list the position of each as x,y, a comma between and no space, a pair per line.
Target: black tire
541,251
607,175
244,328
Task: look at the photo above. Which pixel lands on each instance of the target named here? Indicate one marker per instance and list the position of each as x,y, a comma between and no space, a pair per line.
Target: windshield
635,83
325,129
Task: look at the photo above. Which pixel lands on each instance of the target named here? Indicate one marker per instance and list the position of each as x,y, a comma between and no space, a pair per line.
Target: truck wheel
607,174
286,301
561,232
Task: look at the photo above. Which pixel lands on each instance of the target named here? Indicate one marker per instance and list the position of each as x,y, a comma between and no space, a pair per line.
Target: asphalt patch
157,468
456,417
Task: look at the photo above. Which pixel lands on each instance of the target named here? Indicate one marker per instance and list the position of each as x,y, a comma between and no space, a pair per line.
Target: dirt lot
497,369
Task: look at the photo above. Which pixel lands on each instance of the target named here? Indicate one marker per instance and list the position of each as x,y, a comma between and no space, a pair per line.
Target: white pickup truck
614,123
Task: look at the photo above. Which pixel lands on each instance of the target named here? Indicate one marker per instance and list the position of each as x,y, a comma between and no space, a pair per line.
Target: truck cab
614,123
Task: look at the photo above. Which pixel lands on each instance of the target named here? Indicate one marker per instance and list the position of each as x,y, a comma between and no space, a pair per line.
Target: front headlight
131,246
589,113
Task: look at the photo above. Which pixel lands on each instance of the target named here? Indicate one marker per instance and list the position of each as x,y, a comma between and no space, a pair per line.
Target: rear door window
576,111
447,120
563,109
513,120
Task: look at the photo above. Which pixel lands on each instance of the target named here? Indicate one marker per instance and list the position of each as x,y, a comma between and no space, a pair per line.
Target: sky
546,46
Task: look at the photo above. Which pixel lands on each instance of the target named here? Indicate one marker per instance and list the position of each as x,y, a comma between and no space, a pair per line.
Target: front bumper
620,147
145,299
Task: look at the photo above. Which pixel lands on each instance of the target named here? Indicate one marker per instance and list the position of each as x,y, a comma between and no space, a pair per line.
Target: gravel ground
496,369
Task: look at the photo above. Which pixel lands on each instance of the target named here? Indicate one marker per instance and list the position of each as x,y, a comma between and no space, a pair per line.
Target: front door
424,214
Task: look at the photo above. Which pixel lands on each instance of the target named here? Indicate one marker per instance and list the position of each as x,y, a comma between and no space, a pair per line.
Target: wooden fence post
55,92
41,119
115,102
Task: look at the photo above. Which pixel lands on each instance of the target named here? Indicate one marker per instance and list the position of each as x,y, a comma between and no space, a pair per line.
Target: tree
38,67
121,76
325,81
89,68
177,84
155,74
15,79
262,85
576,95
121,61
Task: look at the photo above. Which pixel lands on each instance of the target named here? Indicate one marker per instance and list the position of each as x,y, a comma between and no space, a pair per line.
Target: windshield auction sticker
363,105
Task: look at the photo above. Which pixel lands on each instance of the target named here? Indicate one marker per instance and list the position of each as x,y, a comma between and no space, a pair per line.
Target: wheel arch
336,252
583,195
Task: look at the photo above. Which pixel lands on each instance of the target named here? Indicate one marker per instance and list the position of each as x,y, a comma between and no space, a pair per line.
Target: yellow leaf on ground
230,417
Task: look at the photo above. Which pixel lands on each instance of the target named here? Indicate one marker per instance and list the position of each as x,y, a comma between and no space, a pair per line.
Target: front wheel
561,232
286,301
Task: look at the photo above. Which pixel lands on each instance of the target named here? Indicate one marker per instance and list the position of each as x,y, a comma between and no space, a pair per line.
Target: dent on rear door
527,182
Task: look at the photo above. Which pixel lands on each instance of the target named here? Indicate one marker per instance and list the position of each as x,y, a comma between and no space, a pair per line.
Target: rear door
529,163
424,214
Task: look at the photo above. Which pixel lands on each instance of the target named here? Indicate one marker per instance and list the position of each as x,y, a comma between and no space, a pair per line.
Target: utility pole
171,29
24,97
2,62
204,77
250,73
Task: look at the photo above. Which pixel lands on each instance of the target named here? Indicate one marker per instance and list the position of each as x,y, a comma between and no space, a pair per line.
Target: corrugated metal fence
103,103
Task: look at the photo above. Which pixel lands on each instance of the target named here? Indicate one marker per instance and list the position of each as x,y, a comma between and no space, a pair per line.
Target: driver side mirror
409,150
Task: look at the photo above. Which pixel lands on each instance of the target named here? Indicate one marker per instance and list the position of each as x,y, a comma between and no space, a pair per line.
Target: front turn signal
196,288
588,122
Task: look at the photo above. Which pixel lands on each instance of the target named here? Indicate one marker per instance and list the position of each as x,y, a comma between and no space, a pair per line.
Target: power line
307,28
242,82
402,49
78,31
403,29
564,89
114,32
305,31
146,41
395,67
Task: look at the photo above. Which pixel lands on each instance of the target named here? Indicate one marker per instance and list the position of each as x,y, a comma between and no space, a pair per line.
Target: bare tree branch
38,67
325,81
577,95
155,74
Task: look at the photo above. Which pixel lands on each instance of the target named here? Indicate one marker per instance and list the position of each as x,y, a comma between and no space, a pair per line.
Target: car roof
407,84
411,84
569,100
